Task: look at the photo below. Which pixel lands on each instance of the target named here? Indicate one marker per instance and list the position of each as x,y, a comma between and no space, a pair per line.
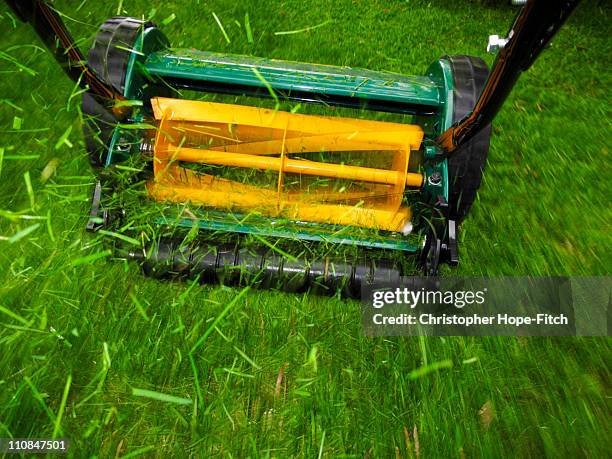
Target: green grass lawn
291,375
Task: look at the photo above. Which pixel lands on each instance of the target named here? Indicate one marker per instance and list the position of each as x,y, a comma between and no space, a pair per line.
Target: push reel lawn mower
235,193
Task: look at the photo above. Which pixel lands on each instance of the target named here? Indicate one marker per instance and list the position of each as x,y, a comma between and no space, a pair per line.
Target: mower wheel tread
466,165
109,57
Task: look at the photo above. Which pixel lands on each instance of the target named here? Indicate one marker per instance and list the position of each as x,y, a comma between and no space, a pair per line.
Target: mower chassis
131,60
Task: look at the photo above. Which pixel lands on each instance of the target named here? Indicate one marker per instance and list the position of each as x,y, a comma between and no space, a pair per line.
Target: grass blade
49,226
247,26
196,379
64,139
227,308
62,407
17,123
11,104
139,307
139,451
276,249
227,39
169,19
426,369
38,396
321,446
23,233
28,183
123,237
90,258
11,314
159,396
305,29
238,373
247,358
267,85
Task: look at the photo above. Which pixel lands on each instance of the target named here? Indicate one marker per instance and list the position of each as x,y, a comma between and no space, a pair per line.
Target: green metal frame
428,97
283,76
271,227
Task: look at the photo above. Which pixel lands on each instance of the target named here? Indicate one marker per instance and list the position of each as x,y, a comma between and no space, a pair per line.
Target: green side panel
255,72
439,72
135,79
235,223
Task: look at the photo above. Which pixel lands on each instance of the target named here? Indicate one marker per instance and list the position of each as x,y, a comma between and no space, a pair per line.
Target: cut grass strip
196,379
305,29
24,329
169,19
11,104
130,50
22,131
11,314
16,216
268,87
247,358
21,157
38,396
247,27
238,373
274,248
139,307
136,126
50,227
321,446
139,451
64,139
91,258
128,168
28,184
212,326
227,38
49,170
23,233
123,237
159,396
426,369
127,103
12,18
62,407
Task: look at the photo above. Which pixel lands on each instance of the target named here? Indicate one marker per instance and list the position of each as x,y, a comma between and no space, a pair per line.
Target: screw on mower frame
383,187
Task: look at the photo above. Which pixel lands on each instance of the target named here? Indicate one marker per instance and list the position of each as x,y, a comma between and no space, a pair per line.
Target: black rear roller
233,265
466,165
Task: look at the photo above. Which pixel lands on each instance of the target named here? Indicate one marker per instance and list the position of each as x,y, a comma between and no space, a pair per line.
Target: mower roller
224,175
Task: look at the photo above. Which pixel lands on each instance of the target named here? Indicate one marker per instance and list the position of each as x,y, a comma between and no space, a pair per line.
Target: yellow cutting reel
340,171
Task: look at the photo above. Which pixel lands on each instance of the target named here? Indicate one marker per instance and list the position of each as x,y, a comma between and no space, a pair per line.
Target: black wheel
466,165
109,58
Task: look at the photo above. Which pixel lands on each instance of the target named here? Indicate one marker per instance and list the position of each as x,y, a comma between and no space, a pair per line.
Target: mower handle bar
534,26
51,29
